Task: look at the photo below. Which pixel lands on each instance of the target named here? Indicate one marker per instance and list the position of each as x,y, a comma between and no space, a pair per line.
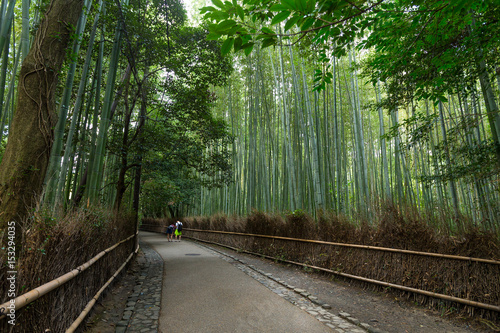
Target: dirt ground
383,310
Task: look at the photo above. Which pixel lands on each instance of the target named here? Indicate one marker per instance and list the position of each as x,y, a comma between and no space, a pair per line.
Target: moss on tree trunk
26,157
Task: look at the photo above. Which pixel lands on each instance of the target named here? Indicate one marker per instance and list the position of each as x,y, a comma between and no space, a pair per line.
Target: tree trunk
27,153
54,168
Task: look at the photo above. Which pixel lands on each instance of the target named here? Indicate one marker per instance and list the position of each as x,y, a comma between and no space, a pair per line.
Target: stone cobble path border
143,306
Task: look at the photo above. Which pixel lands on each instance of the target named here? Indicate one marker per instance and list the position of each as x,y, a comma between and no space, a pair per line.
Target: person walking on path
178,231
170,232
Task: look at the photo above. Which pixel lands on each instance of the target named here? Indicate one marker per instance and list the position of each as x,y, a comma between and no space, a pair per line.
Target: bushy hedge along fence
53,248
466,279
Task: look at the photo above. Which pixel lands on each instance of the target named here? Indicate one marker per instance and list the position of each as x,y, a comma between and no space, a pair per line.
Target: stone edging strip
143,305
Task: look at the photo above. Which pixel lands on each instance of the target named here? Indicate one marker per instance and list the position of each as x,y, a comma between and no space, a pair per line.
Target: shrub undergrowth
390,227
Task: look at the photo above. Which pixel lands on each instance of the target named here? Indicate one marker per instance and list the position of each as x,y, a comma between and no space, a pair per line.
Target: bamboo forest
402,106
372,123
281,106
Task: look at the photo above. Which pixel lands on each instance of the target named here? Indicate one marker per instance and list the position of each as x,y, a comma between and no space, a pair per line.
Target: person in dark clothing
170,232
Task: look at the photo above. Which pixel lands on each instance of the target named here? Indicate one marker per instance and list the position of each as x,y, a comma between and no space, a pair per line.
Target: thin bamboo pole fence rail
33,295
360,278
367,247
92,302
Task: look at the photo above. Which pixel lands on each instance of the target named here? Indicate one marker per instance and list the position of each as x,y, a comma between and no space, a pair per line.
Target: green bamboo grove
340,106
376,102
337,150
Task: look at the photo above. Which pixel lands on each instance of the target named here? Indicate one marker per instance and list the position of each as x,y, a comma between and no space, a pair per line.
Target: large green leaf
290,4
280,17
225,25
301,5
219,15
240,12
268,42
278,7
267,31
237,44
248,47
213,36
207,9
310,5
308,23
218,3
227,45
291,22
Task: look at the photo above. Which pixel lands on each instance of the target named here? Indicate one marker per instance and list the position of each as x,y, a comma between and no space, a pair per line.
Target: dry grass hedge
53,248
392,229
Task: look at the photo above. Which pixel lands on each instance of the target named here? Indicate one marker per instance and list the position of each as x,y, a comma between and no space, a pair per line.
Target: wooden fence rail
366,247
90,304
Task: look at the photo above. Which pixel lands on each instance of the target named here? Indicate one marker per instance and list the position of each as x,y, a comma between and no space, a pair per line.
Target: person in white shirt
178,231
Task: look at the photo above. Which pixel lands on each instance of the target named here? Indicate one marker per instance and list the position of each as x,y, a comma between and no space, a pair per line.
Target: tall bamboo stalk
95,179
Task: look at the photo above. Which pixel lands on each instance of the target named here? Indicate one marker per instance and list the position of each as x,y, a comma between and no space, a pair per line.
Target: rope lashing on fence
92,302
360,278
367,247
33,295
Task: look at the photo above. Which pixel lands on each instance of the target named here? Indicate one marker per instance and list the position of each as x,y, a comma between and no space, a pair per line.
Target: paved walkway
202,293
